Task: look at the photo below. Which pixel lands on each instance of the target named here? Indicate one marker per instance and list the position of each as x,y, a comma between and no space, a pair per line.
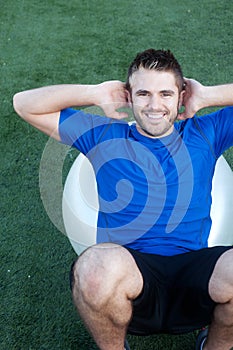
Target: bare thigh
221,281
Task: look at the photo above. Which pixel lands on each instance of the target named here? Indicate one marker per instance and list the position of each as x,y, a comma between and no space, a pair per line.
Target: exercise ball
222,205
80,205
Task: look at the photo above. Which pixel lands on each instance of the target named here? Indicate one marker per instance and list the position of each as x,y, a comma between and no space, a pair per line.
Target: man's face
155,100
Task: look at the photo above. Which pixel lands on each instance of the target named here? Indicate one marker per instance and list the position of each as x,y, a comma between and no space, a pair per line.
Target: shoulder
208,120
218,116
78,124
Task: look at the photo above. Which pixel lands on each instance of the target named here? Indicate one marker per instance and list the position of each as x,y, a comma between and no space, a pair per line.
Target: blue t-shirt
154,194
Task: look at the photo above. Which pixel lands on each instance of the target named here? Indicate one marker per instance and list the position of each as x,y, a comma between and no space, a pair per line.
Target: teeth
155,116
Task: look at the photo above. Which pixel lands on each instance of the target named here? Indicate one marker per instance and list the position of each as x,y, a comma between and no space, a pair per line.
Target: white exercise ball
80,205
222,205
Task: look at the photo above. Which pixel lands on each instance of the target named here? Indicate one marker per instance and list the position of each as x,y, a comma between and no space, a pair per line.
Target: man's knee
221,281
101,271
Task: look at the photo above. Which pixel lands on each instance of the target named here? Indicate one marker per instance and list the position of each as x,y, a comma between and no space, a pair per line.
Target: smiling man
151,271
155,106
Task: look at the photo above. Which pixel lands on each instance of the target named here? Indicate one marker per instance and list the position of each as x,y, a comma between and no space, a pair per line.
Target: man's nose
155,102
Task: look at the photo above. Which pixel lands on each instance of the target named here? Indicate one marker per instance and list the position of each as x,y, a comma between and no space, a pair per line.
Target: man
151,271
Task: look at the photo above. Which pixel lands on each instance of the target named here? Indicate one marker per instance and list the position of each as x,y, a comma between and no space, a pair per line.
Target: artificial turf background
77,41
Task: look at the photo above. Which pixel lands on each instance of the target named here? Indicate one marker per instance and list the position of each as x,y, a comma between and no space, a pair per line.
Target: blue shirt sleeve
218,128
81,130
224,130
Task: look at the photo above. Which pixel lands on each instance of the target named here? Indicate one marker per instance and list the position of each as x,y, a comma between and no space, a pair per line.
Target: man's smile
155,115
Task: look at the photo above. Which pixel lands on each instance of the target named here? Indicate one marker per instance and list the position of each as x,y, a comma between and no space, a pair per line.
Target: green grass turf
55,41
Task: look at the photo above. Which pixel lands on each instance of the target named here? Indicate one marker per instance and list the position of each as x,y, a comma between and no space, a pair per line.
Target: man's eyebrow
141,91
171,92
165,91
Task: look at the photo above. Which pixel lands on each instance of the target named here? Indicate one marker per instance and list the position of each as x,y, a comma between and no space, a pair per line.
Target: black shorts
175,297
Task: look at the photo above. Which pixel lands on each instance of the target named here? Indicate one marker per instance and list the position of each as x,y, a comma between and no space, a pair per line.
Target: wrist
209,95
98,94
204,97
93,94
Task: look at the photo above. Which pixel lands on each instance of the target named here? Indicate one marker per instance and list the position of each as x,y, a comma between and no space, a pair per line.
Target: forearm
52,99
198,96
41,107
219,95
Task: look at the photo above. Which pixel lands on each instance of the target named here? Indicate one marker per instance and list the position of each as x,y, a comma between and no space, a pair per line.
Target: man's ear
181,99
129,98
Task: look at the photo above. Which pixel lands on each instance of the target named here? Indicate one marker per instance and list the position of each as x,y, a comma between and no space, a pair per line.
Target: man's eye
143,93
166,94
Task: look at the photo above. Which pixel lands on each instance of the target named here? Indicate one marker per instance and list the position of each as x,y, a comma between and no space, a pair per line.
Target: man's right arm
41,107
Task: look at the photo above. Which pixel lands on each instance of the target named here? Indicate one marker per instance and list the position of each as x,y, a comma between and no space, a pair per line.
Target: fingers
111,111
119,115
185,114
113,96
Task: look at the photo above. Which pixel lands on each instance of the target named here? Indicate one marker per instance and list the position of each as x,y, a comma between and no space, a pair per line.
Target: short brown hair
161,60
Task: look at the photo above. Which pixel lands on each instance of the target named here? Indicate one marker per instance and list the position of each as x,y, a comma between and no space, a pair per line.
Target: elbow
18,105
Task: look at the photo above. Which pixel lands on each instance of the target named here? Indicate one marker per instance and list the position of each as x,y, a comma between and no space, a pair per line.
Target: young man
151,271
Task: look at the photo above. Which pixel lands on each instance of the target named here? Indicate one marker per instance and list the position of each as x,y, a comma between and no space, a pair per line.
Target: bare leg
106,280
221,291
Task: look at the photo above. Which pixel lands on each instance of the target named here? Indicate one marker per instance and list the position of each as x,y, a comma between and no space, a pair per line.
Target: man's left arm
198,96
